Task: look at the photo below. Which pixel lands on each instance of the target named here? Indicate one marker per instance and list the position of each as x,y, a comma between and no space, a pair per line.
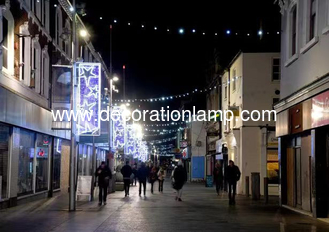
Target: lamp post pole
72,193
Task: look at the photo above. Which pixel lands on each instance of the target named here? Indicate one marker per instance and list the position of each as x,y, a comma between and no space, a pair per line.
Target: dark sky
160,64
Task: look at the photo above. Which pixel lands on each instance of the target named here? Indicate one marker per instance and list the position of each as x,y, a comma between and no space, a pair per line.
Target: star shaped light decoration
93,91
87,73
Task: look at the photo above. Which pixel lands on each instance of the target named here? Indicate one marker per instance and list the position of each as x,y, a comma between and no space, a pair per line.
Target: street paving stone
200,210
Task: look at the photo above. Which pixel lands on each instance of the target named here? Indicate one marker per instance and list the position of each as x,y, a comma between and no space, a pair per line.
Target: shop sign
272,141
320,110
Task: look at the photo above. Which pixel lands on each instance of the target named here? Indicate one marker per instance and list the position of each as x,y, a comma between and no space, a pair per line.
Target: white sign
84,185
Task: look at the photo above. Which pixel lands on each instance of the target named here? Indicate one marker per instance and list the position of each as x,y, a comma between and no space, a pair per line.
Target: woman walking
180,179
153,177
161,177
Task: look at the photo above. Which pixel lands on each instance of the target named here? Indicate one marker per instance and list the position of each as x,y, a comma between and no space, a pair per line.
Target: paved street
201,210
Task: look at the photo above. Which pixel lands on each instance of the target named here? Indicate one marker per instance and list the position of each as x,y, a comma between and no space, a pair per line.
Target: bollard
247,186
255,185
266,189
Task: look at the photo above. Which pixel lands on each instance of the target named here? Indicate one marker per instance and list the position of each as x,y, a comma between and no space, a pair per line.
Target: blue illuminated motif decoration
118,128
88,98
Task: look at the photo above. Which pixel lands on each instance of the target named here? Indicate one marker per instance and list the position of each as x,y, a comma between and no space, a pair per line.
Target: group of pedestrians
152,174
143,174
231,177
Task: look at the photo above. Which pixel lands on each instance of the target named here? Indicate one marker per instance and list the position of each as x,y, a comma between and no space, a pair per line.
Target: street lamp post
72,193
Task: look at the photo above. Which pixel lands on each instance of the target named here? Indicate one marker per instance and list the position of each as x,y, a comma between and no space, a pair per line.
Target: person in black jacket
218,177
126,173
232,175
135,174
142,174
104,175
180,178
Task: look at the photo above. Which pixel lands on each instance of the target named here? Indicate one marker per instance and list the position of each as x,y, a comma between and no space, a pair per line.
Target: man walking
232,175
126,173
104,175
218,177
142,175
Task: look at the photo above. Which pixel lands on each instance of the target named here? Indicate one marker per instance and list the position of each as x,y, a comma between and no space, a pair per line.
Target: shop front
303,131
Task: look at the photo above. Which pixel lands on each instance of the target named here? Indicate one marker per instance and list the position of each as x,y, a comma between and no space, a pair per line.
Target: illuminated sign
88,98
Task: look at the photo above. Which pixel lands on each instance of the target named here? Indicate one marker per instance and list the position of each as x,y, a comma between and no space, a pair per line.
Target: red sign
320,110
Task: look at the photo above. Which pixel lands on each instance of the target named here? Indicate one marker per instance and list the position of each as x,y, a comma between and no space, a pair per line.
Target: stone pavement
201,210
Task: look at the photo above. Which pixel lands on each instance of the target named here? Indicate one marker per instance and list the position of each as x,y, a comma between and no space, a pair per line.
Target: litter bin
255,185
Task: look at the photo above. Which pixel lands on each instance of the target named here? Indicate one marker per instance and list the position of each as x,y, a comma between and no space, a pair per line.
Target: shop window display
42,162
57,163
4,147
25,162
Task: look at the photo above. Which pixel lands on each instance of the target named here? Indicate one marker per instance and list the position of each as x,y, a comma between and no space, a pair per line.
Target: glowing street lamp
83,33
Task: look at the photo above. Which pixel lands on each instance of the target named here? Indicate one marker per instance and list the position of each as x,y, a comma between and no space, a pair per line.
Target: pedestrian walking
142,174
126,173
180,178
218,177
161,177
232,175
104,175
153,177
135,174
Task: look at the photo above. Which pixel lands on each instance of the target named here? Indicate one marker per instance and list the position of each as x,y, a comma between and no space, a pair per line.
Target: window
225,92
276,69
42,162
293,30
45,73
312,20
7,39
67,38
234,80
4,155
25,54
57,163
25,162
36,65
59,27
37,8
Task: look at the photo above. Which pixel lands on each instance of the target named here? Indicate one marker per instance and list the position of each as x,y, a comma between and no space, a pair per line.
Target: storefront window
272,166
57,163
4,143
25,162
42,162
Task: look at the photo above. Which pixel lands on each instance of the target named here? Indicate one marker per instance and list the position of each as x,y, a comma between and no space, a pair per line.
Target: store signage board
320,110
84,186
88,98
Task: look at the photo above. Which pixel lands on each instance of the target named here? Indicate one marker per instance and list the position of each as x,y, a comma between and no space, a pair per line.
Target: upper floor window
25,54
37,7
58,27
66,36
234,80
293,38
7,40
45,73
36,65
312,19
276,69
225,92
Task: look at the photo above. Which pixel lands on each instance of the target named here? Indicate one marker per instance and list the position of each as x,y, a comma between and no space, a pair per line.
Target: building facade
302,125
35,36
251,82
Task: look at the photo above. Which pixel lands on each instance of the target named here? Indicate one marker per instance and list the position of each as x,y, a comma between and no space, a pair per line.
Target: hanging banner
119,125
88,99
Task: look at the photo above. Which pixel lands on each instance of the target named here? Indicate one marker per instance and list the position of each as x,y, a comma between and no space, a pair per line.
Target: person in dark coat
153,177
135,174
142,174
180,178
126,173
218,177
104,175
232,175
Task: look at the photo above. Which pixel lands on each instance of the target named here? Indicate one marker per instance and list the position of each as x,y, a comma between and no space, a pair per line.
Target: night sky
161,63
